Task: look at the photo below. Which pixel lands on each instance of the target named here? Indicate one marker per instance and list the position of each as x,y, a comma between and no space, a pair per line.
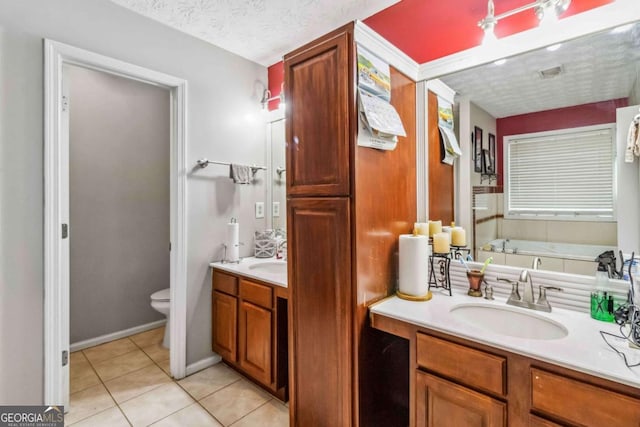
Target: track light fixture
545,10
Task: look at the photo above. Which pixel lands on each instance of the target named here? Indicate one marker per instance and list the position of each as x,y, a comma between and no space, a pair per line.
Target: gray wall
119,214
223,102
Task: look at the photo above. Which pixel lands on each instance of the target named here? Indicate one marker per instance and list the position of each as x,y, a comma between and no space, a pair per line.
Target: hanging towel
633,140
240,174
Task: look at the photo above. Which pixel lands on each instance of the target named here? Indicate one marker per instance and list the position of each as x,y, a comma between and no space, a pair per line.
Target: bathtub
562,257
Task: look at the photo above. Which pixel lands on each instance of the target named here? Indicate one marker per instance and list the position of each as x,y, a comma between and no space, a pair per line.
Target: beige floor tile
121,365
155,404
136,383
109,350
112,417
235,401
147,338
191,416
203,383
88,402
81,375
272,414
165,366
157,352
77,356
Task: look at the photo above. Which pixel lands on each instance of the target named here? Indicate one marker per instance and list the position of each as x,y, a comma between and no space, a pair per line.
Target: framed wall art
477,150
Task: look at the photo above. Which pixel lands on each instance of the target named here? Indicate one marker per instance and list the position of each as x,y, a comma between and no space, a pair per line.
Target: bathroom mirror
588,81
277,188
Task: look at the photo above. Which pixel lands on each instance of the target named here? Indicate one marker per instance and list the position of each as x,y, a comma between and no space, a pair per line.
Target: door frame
56,259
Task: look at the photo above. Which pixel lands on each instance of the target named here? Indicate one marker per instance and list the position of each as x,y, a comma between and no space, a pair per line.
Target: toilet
161,302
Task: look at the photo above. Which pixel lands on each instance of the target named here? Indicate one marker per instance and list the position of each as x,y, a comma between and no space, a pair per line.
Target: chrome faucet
504,244
527,300
537,262
281,249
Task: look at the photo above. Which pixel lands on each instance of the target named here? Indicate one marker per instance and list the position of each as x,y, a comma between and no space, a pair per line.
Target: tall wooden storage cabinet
346,207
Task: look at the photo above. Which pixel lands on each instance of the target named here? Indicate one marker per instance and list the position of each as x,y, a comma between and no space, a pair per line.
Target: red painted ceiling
429,29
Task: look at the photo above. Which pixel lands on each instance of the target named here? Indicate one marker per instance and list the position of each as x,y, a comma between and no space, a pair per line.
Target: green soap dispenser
602,303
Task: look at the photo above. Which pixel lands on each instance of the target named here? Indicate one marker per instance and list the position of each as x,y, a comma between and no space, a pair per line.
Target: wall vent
552,72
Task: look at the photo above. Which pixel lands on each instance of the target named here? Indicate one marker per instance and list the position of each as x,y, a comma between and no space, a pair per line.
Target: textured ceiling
596,68
259,30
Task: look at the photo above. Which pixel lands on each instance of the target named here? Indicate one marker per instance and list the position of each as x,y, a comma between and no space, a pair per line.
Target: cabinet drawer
581,403
471,367
258,294
541,422
225,283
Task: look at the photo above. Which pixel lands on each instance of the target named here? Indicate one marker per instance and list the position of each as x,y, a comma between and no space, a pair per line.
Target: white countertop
244,268
583,349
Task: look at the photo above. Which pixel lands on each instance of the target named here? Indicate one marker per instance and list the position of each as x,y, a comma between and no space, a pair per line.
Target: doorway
57,208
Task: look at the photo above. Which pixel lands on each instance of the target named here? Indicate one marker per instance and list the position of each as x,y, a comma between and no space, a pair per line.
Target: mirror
592,80
277,175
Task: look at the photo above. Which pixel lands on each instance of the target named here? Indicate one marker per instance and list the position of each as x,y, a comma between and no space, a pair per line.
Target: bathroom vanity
460,374
249,320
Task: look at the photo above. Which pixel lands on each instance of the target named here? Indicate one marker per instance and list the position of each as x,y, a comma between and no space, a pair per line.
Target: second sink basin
509,321
273,267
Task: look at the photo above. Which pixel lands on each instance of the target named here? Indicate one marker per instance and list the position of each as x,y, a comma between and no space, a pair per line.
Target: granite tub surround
582,349
257,268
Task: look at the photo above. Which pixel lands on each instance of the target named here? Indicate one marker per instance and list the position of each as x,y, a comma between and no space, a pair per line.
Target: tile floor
126,383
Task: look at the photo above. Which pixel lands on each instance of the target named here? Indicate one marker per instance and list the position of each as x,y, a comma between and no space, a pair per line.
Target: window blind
567,174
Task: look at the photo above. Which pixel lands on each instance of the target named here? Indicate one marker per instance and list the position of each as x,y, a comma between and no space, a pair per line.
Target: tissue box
264,244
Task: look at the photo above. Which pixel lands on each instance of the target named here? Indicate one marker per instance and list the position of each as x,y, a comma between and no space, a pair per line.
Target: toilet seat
161,295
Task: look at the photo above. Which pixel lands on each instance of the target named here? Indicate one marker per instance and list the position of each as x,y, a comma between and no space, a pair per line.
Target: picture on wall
486,163
477,150
491,169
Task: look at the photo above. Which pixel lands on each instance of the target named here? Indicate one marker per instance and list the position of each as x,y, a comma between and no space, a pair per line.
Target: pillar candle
441,243
458,236
421,228
435,227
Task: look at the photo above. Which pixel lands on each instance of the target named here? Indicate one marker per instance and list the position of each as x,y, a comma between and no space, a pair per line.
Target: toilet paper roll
414,255
233,241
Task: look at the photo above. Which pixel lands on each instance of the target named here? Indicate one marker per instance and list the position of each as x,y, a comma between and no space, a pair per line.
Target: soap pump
602,304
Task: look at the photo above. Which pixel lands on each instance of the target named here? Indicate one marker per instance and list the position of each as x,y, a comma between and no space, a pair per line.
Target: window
566,174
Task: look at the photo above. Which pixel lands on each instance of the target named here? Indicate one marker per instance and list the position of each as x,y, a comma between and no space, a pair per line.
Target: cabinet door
319,113
442,403
255,341
320,313
224,329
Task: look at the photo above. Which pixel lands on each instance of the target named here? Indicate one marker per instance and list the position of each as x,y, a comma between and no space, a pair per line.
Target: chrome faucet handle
543,303
488,291
515,293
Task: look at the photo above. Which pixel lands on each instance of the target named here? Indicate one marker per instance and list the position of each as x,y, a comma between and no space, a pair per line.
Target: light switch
259,210
276,209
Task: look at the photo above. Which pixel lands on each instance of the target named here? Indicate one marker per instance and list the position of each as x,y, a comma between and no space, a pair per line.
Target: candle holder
460,251
443,279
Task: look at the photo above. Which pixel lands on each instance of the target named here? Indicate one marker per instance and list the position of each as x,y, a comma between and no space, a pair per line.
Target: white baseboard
202,364
81,345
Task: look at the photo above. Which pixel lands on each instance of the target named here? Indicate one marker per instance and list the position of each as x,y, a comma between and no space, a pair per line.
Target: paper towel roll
414,256
233,241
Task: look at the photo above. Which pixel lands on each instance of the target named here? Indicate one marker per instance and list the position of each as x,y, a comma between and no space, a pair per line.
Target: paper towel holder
224,259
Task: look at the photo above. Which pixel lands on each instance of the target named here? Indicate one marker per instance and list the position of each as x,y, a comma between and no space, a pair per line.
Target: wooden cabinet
580,403
444,403
224,311
255,341
249,329
463,383
338,266
321,319
318,133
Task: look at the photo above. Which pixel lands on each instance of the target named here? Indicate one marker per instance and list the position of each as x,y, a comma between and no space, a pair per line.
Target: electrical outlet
275,210
259,210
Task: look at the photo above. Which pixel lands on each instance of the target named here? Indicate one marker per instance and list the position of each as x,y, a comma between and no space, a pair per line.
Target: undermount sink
273,267
509,321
